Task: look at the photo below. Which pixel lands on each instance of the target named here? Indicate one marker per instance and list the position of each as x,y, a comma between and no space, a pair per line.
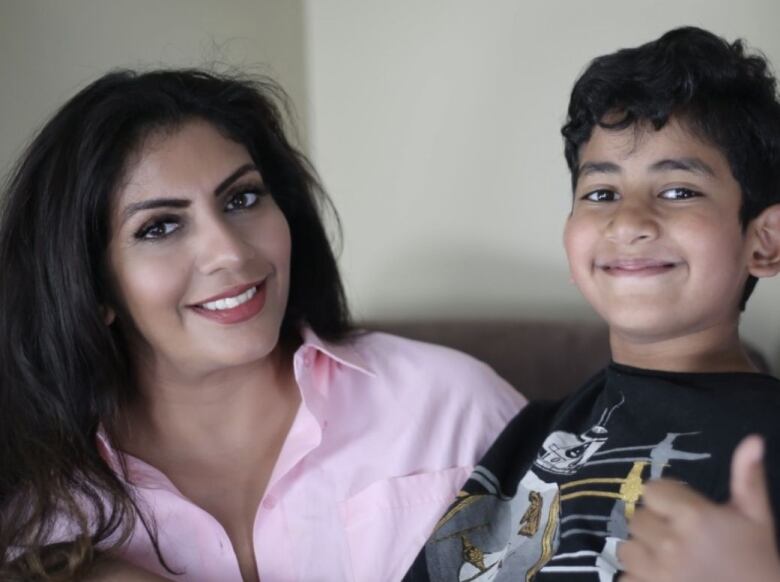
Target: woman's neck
231,412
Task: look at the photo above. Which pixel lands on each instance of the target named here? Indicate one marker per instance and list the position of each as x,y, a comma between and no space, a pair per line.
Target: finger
636,561
672,499
749,491
648,527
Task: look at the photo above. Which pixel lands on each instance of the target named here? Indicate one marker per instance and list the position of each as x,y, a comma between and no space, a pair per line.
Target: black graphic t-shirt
552,498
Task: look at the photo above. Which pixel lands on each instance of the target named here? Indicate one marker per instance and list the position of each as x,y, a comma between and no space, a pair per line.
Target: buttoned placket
314,364
273,546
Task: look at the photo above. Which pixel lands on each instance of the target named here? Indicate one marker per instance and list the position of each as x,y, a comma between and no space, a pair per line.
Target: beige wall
51,48
435,125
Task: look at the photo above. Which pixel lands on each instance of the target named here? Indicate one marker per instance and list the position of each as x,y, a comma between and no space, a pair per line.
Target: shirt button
269,502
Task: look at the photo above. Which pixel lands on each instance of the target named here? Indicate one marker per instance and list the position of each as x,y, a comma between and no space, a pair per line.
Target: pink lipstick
235,305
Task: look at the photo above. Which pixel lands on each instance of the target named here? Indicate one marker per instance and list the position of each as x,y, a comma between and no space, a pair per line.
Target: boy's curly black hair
723,93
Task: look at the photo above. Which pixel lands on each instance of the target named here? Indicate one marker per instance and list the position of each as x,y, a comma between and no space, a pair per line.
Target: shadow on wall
460,281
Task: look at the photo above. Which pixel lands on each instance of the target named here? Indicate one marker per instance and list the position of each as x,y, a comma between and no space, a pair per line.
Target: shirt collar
343,352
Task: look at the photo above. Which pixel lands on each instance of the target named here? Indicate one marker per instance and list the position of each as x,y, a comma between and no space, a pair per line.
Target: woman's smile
234,306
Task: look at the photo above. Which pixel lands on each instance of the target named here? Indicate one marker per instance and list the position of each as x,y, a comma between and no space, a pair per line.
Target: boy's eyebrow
598,168
694,165
690,164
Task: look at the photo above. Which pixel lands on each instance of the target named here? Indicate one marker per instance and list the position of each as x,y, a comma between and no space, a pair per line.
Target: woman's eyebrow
152,203
224,184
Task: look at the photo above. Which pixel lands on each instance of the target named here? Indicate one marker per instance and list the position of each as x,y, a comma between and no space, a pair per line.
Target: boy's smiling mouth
637,267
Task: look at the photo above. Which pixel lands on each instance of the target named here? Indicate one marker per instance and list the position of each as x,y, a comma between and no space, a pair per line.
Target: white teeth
230,302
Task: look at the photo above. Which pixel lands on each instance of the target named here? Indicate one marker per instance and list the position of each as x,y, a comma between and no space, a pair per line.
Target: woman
180,386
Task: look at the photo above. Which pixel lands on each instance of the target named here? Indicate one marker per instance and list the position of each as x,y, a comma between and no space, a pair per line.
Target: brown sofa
542,359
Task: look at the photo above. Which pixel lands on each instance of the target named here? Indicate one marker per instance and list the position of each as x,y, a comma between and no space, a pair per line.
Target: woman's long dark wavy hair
63,372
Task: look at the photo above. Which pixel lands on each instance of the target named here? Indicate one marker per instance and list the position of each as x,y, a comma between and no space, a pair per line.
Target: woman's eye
242,200
678,194
601,196
157,230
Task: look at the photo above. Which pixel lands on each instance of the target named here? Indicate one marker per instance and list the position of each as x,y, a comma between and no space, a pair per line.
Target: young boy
674,152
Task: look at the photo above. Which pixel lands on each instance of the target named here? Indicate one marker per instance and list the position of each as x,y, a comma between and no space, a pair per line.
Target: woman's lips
236,314
232,292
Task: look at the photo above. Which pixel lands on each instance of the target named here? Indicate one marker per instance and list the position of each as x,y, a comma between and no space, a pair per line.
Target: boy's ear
764,230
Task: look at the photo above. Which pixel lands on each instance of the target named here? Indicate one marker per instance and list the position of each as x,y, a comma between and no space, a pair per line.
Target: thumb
749,491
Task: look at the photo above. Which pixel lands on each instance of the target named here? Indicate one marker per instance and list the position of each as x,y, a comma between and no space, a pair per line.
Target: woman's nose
221,246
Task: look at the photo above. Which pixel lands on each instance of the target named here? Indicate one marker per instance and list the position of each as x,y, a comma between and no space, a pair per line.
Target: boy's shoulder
624,407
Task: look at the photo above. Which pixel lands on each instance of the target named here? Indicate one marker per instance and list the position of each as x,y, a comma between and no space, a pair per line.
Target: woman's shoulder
384,349
415,371
392,356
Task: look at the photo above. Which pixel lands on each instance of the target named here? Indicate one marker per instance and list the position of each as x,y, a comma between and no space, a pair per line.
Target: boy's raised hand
679,536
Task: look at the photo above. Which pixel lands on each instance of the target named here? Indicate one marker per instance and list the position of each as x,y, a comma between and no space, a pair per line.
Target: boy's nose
631,223
221,247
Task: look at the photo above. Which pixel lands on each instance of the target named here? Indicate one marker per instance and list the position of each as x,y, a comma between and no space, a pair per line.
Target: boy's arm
680,536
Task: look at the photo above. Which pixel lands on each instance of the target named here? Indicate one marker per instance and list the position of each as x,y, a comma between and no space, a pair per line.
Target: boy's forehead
644,146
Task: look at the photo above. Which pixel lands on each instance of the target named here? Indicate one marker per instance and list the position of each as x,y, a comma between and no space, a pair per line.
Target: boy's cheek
577,244
568,239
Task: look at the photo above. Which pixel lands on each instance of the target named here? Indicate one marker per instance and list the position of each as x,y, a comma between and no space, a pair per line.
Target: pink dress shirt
387,432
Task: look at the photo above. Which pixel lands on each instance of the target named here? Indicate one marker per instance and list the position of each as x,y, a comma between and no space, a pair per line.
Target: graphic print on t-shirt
564,452
568,515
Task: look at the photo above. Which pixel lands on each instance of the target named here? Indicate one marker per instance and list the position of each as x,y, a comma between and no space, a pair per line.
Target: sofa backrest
541,359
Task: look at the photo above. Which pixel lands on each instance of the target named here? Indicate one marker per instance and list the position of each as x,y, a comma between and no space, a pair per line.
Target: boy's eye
242,200
678,194
601,196
157,229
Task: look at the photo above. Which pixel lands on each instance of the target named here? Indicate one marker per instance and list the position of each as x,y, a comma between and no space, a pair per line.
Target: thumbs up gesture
679,536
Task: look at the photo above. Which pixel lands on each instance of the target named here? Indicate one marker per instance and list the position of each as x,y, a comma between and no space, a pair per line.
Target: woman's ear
108,314
764,232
